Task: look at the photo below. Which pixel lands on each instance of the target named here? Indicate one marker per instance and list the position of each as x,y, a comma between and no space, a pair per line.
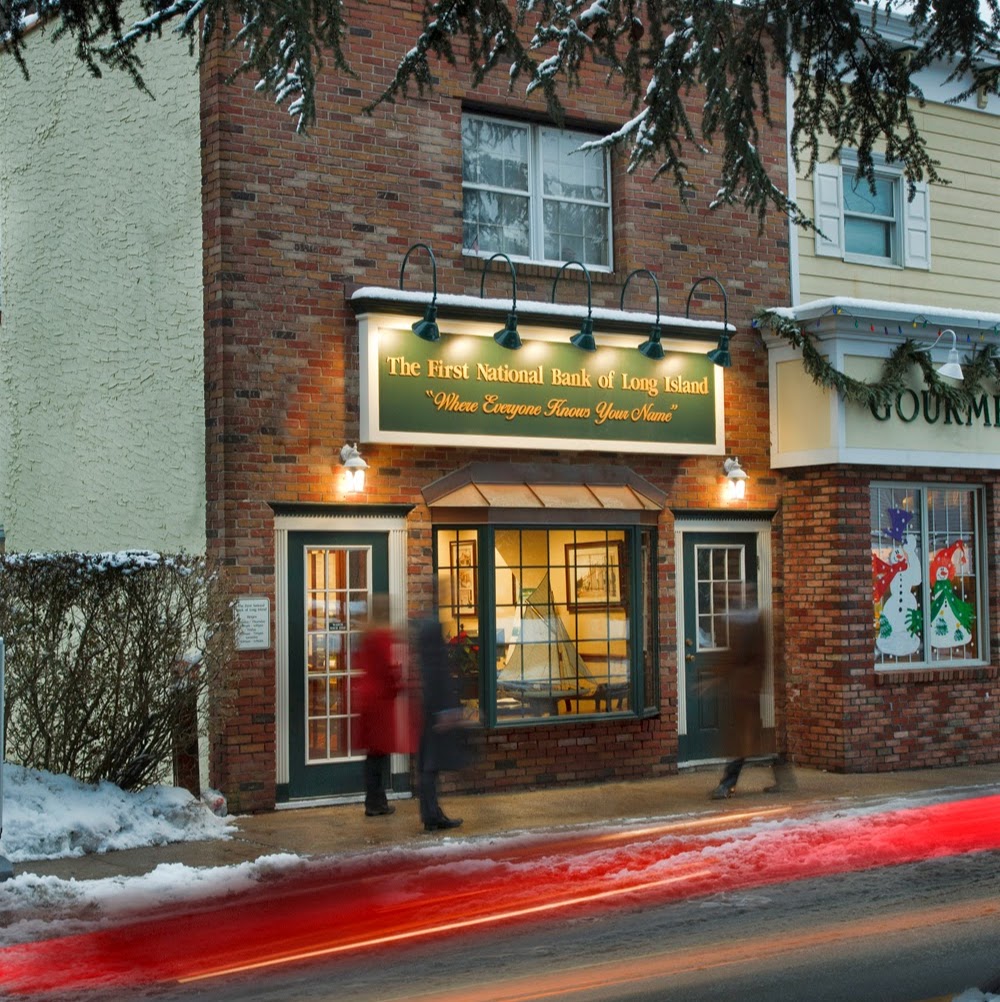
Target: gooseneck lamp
585,338
719,355
507,337
953,367
651,347
426,329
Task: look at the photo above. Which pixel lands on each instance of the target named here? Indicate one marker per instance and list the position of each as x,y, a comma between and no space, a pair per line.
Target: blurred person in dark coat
740,682
442,738
377,691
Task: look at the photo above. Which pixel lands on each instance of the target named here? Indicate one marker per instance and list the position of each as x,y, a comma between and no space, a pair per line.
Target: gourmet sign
466,389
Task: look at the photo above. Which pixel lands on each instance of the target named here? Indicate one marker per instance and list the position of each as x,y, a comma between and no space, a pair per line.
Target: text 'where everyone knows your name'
468,388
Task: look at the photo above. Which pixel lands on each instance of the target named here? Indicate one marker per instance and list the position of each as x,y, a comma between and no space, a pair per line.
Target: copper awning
489,492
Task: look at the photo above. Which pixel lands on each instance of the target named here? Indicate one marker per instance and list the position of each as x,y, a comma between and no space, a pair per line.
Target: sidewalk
343,829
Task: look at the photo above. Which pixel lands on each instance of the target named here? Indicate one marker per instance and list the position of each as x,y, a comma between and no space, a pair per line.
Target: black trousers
376,765
430,809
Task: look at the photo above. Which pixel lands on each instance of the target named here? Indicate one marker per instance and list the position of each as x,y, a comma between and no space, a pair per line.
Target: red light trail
366,905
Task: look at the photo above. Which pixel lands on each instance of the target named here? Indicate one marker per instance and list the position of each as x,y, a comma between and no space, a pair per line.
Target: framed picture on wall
594,574
463,576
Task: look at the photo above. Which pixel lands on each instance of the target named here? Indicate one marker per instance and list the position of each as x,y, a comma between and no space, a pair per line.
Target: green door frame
336,777
699,737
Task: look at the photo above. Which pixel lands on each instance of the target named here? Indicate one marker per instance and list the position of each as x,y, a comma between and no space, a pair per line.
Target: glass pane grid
927,595
562,635
518,184
338,598
720,590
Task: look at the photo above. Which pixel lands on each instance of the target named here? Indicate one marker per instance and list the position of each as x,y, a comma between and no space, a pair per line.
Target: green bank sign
466,390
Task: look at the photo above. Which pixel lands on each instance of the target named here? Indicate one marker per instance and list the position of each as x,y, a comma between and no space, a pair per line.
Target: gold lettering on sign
606,411
492,404
505,374
398,366
444,401
579,378
559,408
678,384
436,369
644,384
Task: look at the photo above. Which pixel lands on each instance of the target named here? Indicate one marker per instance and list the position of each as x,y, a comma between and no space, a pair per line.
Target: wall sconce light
508,336
651,348
351,460
427,329
585,338
736,479
953,367
719,355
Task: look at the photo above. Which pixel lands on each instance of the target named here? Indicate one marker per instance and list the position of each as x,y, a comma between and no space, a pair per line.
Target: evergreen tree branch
695,75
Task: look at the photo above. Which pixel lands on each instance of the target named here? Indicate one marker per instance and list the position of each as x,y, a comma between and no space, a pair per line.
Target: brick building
564,547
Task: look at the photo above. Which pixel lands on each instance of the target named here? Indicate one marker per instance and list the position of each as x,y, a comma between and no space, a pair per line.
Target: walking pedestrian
740,682
442,745
377,690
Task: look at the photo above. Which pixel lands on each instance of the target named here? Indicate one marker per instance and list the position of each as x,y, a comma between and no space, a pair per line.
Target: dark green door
331,579
720,575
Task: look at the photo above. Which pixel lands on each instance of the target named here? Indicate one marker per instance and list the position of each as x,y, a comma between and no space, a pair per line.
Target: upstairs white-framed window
881,227
530,192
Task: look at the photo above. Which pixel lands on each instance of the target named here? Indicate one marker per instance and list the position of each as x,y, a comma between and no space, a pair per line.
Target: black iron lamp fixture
720,354
651,348
507,337
426,329
585,338
953,367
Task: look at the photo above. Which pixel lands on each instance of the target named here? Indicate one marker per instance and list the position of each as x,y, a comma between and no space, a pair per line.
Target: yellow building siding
965,225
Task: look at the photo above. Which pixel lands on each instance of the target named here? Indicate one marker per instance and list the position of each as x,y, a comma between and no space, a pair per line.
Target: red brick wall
842,715
293,225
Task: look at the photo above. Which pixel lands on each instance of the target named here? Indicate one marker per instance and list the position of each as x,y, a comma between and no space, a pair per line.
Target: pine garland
983,366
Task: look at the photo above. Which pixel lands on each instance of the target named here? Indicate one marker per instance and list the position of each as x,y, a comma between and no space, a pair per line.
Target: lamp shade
427,329
652,348
585,338
508,337
720,355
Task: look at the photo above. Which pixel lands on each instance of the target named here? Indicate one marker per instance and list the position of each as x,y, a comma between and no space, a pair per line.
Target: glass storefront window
540,622
927,591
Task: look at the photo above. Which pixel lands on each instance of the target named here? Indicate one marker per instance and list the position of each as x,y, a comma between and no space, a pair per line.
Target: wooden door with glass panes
720,578
331,580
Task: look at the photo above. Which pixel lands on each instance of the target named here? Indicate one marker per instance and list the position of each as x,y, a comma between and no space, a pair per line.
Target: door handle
689,657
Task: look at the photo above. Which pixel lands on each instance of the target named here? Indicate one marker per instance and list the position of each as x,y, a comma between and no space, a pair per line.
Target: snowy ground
52,817
49,817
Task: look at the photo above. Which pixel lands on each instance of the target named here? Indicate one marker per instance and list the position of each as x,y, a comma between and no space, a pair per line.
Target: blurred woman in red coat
377,691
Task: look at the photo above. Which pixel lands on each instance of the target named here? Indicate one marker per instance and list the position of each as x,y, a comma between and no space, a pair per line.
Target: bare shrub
108,656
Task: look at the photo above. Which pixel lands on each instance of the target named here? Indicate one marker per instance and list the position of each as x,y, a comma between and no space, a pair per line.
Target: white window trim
536,197
912,245
984,612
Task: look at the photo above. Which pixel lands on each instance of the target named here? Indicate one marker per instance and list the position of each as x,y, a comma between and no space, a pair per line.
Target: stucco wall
101,348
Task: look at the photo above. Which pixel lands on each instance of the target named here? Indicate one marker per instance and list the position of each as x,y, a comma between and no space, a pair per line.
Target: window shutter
917,229
828,210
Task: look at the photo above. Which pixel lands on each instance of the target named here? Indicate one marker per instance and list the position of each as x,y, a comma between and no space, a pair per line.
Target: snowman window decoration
897,577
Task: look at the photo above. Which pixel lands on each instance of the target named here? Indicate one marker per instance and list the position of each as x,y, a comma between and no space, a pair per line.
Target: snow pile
52,817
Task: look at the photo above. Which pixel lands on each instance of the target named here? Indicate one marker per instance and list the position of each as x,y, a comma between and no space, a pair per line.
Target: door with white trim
720,576
331,580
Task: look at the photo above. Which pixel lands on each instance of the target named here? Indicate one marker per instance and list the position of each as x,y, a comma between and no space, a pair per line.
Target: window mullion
925,582
536,239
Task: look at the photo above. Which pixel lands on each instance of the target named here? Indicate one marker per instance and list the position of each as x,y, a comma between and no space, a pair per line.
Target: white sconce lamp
953,367
355,466
736,479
